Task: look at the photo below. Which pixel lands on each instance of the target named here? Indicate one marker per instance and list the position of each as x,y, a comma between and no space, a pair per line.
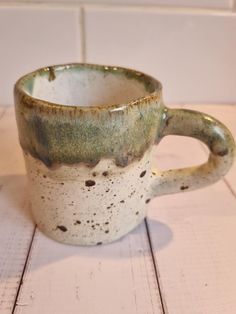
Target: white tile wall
192,53
34,37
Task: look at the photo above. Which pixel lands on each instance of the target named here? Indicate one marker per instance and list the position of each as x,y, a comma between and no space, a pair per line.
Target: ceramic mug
87,133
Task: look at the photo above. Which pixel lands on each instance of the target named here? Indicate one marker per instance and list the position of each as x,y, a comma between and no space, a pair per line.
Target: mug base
82,241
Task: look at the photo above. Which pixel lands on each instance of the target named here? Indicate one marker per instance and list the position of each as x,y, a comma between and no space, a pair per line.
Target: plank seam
157,273
229,187
24,270
3,113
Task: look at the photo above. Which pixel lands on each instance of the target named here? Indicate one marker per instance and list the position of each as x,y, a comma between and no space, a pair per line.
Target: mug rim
19,87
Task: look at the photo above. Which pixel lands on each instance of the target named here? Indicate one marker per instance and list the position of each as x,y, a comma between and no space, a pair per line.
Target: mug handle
206,129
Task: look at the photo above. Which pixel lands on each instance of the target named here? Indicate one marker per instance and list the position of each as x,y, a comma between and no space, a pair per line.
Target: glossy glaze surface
69,134
88,159
88,206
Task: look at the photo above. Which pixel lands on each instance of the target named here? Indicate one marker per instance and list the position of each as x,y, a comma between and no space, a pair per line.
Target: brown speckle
107,190
94,174
107,231
94,214
90,182
184,187
99,243
51,76
44,176
223,152
42,197
77,222
88,221
168,120
105,173
107,223
122,201
62,183
62,228
148,200
142,174
141,196
136,213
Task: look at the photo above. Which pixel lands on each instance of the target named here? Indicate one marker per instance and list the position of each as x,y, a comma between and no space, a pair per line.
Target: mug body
87,134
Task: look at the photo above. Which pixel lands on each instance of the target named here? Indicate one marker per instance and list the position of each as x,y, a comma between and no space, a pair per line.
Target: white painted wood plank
16,228
197,267
227,115
115,278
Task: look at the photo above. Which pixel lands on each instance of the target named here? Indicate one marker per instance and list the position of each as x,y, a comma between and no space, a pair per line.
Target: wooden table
180,260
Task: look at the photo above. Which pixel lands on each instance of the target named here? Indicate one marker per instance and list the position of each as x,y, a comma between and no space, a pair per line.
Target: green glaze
78,194
72,134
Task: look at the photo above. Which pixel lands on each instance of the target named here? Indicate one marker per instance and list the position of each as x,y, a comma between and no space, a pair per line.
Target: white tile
217,4
193,54
32,38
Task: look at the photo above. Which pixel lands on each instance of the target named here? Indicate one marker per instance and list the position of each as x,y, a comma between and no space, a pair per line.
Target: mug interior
87,85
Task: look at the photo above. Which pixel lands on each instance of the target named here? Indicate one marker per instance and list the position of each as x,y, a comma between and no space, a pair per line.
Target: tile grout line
78,35
24,270
157,274
233,5
82,34
229,10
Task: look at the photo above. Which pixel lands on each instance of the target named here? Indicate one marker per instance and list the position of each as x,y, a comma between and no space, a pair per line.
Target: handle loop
206,129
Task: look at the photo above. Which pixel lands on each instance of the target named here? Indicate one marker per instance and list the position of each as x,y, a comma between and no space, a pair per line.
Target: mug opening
87,85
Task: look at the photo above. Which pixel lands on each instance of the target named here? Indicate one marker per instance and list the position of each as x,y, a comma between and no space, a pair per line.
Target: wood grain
16,227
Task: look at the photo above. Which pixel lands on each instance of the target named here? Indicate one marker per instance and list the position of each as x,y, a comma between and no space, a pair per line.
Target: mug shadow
44,251
134,245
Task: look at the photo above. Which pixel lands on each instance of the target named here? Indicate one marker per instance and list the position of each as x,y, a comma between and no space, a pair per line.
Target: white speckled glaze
87,132
87,206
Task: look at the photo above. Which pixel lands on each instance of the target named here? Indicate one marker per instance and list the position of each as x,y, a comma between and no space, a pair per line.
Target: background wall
190,45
